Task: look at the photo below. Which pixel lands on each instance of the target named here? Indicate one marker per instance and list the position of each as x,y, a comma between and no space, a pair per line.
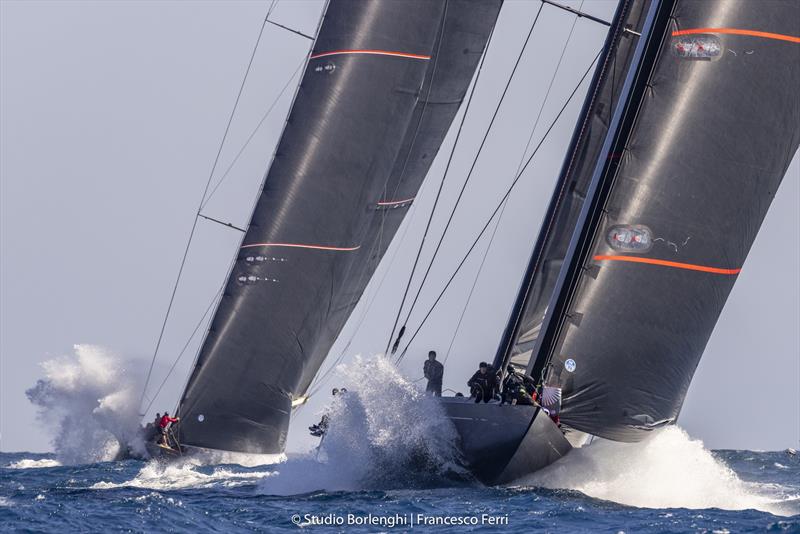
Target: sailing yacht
686,132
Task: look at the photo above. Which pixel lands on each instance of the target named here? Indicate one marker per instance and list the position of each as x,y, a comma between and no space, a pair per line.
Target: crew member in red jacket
163,426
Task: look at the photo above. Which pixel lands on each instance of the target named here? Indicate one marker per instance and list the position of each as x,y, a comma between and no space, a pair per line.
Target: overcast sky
110,117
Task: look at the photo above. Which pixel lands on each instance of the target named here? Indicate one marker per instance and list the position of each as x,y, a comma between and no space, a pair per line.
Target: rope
505,203
472,167
502,200
197,217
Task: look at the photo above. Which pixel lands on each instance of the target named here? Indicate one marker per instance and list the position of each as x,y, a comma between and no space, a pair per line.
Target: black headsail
704,141
381,87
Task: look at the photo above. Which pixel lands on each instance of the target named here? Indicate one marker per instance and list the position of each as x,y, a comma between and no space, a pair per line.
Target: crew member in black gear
514,390
483,384
433,371
318,430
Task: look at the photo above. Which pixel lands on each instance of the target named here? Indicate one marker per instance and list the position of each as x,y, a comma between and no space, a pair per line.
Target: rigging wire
185,346
441,186
466,181
379,240
197,215
253,207
519,167
253,133
208,199
502,200
320,379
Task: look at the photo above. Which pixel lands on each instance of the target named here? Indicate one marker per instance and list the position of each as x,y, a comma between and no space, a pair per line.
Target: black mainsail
567,200
383,82
674,202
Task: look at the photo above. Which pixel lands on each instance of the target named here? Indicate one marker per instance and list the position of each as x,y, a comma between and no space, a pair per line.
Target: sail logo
630,238
570,365
702,47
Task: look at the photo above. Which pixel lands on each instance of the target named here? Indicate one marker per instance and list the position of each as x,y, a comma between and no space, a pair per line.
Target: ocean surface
388,463
37,494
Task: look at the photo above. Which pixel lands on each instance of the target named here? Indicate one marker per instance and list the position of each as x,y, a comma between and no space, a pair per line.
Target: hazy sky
110,117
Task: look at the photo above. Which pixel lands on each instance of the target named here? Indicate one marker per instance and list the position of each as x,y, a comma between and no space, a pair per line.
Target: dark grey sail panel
322,220
715,131
570,191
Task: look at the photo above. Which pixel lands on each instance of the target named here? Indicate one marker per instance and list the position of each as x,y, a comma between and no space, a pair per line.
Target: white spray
383,433
88,399
667,470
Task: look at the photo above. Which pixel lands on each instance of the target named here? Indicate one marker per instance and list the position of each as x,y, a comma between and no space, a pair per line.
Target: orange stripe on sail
737,31
665,263
298,245
372,53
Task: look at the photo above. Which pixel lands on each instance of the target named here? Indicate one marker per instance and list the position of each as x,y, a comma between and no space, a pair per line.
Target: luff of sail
570,191
715,128
382,85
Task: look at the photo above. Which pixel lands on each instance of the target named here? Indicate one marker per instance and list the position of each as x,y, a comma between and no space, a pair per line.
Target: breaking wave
30,463
89,399
188,473
383,433
667,470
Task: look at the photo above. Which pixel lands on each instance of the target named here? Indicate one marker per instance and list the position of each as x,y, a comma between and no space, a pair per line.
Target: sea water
745,491
388,464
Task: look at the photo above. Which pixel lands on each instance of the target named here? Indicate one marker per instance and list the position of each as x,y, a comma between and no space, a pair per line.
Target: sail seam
738,31
369,52
666,263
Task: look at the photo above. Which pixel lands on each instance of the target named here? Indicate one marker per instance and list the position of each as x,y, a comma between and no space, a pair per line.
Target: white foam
384,432
216,457
5,502
30,463
183,474
88,399
667,470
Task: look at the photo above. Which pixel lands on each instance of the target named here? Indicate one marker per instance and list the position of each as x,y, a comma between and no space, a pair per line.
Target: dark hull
501,444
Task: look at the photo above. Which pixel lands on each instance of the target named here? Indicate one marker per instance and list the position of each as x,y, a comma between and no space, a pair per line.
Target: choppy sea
387,464
39,495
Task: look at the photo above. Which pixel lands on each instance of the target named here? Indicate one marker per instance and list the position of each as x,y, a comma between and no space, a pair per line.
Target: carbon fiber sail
565,206
382,85
699,146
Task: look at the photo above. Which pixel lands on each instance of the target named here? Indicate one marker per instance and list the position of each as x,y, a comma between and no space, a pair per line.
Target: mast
560,218
652,35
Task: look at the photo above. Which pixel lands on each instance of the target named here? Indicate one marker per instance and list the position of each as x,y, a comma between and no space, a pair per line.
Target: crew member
151,432
163,426
318,430
483,383
433,371
514,390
